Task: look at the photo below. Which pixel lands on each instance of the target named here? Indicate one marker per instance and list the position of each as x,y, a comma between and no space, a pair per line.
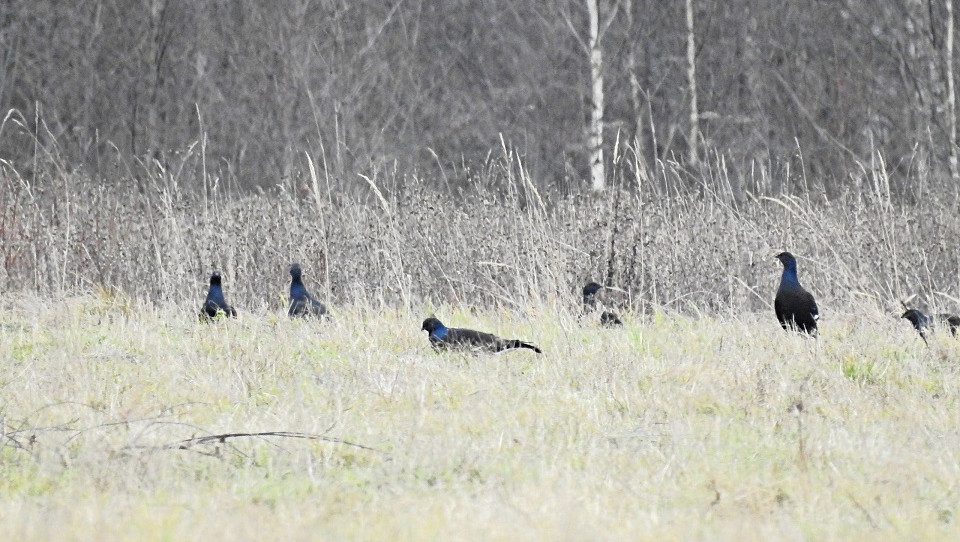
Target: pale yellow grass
674,428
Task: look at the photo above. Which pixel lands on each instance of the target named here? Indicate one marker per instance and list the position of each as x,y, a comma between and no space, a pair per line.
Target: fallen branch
222,438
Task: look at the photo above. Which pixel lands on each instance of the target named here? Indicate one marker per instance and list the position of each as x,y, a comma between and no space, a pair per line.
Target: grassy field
675,427
124,418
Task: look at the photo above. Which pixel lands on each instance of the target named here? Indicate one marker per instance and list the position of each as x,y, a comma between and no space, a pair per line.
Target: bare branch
610,18
222,438
822,132
573,30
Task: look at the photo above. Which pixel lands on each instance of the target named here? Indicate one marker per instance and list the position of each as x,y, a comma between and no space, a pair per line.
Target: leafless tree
800,91
694,137
951,96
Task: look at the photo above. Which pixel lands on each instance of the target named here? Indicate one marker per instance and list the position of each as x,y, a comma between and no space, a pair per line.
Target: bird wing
318,308
780,309
794,303
472,338
211,308
469,339
811,305
296,307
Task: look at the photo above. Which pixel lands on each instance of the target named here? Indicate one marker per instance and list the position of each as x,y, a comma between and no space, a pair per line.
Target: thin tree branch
222,438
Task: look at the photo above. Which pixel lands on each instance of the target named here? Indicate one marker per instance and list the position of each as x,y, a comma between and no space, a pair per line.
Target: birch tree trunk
595,141
694,137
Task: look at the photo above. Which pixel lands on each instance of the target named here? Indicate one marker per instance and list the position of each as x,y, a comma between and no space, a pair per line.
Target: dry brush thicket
668,242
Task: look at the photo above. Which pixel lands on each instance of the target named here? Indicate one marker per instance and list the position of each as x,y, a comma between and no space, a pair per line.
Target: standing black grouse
590,293
443,337
215,302
795,306
303,304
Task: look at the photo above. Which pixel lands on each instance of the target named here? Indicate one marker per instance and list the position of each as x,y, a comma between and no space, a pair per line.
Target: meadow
123,417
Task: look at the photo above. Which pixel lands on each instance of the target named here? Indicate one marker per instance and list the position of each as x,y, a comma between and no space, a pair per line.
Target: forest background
624,141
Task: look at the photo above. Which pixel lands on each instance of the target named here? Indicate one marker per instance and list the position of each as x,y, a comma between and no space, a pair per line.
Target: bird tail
514,343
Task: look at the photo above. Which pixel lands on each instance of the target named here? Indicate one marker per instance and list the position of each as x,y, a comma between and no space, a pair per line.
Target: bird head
215,279
590,293
295,271
917,318
431,325
788,261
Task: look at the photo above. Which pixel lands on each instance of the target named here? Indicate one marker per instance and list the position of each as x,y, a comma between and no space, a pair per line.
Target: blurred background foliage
802,91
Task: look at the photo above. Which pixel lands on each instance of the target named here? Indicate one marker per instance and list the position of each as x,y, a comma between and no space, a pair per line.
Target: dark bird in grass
794,305
443,337
302,304
921,322
215,303
590,293
924,324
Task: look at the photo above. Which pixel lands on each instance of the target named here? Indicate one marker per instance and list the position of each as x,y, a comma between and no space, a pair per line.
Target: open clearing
676,427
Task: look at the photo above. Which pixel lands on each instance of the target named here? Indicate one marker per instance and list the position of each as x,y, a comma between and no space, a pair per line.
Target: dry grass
505,245
672,428
701,419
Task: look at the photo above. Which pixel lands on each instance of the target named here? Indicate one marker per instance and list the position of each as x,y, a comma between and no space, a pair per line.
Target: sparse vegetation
156,233
122,416
676,426
431,158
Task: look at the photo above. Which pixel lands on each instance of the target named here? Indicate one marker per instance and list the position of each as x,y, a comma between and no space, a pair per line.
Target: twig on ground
222,438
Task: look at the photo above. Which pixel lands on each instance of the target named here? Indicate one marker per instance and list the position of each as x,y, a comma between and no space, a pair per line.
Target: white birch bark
595,141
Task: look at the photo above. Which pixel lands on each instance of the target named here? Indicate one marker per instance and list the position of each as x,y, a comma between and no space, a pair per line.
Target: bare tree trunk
692,80
597,174
951,95
153,65
636,92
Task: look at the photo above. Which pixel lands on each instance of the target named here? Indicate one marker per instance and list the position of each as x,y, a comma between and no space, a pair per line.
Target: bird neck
790,274
299,293
215,295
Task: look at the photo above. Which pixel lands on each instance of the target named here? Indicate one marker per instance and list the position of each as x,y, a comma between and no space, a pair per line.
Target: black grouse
302,304
443,337
794,305
590,294
215,303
